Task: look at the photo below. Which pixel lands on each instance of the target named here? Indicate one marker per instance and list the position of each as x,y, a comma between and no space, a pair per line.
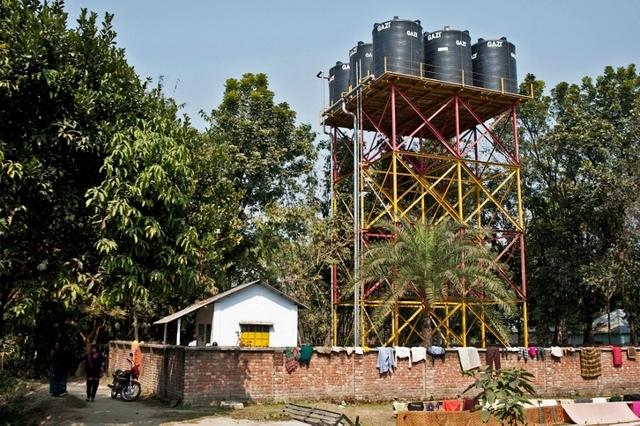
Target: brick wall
201,375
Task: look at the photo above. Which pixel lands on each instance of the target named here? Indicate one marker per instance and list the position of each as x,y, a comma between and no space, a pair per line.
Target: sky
195,45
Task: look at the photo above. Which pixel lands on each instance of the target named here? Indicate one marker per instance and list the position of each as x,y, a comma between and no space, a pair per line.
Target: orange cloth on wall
136,354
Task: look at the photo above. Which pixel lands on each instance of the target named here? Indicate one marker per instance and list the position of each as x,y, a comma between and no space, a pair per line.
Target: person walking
57,371
93,368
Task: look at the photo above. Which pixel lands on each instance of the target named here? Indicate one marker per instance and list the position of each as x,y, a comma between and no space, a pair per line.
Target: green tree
271,168
578,157
147,246
64,94
434,263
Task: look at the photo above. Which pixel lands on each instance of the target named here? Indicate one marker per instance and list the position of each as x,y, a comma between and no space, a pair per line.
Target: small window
254,335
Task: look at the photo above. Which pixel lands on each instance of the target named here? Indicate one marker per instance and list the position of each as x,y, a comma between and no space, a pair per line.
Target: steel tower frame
424,150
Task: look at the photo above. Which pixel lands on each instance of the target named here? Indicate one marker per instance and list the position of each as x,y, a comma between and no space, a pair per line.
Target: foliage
271,168
65,93
502,393
146,244
435,262
98,208
299,265
579,154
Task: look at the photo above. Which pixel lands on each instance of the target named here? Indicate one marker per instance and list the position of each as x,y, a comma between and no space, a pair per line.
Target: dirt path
72,409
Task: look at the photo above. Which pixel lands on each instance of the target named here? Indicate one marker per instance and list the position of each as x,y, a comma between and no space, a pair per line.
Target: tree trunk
426,324
556,333
587,336
135,325
1,315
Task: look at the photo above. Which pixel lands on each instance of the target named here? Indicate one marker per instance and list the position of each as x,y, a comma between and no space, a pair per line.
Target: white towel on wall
402,352
418,353
469,358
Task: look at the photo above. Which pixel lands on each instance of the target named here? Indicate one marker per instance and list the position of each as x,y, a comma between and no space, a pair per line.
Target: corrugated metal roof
205,302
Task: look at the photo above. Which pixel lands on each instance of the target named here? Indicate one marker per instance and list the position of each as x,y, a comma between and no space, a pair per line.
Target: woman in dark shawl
57,371
93,368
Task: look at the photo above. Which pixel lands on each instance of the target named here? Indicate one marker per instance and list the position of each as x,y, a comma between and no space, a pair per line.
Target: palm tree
435,263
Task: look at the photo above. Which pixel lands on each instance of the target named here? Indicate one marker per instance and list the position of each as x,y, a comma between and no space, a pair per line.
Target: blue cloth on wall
385,360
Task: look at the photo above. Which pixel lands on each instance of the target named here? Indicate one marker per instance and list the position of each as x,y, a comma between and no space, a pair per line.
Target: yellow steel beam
519,191
463,313
435,195
491,197
488,326
395,333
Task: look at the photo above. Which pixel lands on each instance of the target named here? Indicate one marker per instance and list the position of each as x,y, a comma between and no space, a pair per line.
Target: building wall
255,304
201,375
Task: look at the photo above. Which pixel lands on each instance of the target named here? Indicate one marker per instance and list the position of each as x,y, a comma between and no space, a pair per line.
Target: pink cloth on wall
635,407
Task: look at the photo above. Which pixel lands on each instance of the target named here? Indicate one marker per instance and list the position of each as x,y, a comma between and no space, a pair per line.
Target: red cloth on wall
452,405
616,351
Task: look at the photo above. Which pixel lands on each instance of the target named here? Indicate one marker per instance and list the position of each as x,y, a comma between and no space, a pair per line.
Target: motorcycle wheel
114,393
131,392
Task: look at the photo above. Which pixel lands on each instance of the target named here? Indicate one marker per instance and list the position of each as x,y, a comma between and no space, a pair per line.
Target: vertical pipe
361,203
394,154
334,266
164,336
356,223
178,333
456,109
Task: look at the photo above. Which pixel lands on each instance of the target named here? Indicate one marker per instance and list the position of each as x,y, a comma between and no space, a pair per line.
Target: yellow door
254,335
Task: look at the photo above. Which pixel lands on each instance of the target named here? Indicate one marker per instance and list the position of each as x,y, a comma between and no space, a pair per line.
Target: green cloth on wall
305,354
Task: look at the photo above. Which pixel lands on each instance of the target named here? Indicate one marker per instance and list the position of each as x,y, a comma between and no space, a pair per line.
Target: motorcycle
125,383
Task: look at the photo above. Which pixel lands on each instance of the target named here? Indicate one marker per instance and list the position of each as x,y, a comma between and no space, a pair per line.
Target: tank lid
447,27
503,38
395,17
360,43
480,40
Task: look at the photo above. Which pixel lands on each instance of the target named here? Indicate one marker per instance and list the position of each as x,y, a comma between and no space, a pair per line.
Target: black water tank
447,56
494,63
360,61
338,81
400,42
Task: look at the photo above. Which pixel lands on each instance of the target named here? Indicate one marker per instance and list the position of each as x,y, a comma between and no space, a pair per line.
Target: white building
252,314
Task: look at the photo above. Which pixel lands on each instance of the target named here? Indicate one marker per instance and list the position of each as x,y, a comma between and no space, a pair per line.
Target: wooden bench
317,416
